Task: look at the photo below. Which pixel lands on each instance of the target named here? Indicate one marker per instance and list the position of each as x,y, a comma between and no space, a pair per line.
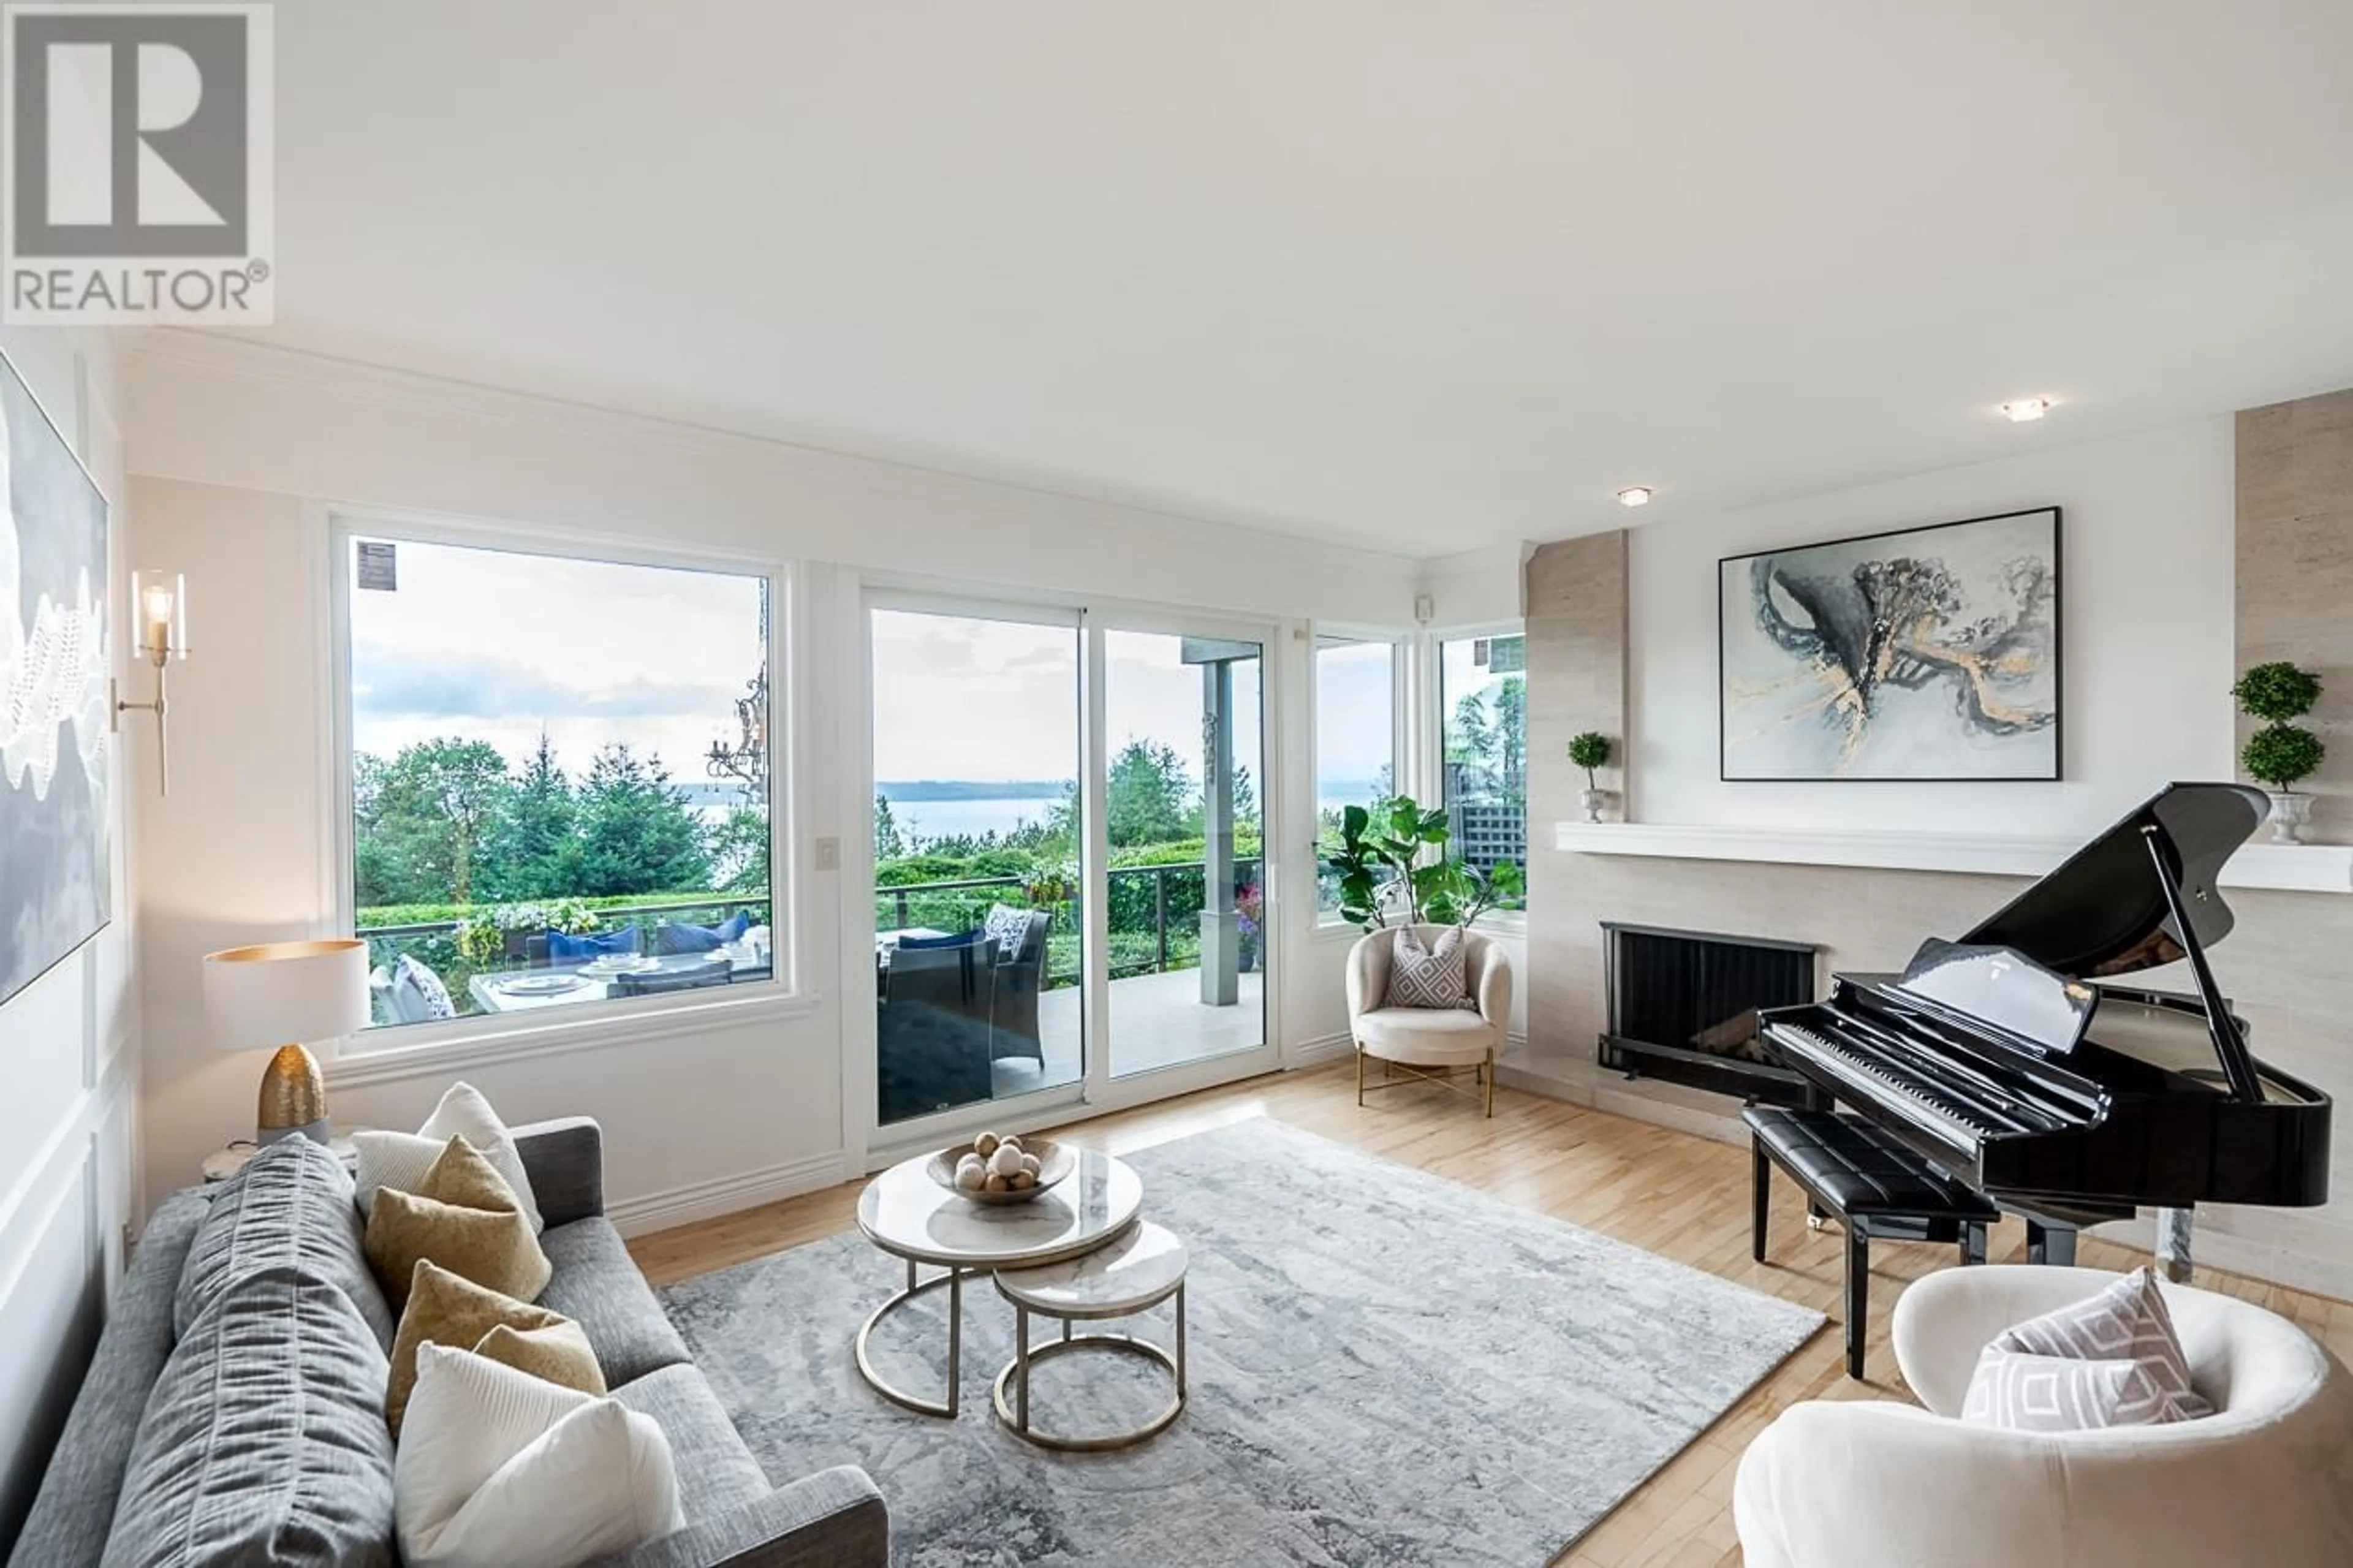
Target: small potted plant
2282,752
1248,905
1590,751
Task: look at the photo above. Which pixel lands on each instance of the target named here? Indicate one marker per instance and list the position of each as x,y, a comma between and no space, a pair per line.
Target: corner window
1355,741
561,776
1484,711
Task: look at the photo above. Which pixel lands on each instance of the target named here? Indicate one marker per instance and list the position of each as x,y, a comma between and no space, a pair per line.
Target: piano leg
1857,1294
1760,1199
1973,1243
2049,1243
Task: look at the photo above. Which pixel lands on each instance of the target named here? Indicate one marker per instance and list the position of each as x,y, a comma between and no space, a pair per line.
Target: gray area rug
1386,1368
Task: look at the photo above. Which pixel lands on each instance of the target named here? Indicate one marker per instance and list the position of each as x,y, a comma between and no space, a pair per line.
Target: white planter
1592,800
2291,810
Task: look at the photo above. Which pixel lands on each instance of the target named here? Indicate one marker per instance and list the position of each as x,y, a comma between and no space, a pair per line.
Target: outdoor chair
1015,981
932,1025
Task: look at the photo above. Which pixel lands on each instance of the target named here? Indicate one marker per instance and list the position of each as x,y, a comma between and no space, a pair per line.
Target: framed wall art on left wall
56,845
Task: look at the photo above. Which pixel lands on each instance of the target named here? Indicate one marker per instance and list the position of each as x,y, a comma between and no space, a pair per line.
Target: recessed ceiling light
1634,495
2026,408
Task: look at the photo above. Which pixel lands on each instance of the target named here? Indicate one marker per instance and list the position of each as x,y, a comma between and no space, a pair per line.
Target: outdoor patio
1156,1021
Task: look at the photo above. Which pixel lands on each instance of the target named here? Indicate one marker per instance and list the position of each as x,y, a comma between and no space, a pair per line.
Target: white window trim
1329,923
389,1053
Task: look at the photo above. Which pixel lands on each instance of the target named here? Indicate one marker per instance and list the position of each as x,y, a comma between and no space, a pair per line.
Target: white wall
235,447
68,1043
2146,574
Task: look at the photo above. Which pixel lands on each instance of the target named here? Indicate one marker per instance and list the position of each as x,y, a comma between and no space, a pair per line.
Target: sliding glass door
979,946
1069,851
1185,880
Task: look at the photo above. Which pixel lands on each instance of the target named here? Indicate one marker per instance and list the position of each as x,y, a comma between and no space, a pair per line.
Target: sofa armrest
564,1159
834,1519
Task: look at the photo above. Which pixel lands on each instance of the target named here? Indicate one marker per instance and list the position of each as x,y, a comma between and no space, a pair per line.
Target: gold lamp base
293,1099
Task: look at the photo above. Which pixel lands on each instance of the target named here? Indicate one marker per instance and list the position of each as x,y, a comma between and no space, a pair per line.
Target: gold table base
1011,1391
954,1280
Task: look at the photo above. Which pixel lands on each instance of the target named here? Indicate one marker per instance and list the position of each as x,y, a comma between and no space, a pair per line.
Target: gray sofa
835,1518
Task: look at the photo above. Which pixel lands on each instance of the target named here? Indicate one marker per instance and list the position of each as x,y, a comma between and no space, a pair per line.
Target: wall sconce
158,601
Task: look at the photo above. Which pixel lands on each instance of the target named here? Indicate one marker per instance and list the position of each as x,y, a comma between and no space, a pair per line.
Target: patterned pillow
1434,976
2025,1378
1009,928
417,993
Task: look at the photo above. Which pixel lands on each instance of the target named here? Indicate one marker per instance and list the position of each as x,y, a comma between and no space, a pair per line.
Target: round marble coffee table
908,1216
1138,1271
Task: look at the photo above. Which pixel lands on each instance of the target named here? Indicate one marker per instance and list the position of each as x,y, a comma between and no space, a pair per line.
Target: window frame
384,1052
1403,766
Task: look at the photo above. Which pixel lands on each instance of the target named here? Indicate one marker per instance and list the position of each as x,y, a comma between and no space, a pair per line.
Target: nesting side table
1142,1269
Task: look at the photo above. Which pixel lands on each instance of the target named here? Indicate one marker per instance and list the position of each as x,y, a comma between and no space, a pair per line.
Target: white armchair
2268,1477
1430,1043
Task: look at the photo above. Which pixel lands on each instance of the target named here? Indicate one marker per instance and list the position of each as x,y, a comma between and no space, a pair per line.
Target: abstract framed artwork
56,854
1921,654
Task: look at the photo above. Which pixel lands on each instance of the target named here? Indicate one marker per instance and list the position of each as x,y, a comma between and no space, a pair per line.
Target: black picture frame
2058,654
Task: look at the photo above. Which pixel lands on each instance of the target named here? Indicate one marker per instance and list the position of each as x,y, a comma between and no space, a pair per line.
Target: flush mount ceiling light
1634,495
2025,409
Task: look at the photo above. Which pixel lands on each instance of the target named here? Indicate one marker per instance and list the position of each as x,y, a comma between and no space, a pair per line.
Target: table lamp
283,994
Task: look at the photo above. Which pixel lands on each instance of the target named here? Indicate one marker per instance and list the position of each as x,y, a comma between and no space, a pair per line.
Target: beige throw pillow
400,1160
449,1311
465,1217
559,1353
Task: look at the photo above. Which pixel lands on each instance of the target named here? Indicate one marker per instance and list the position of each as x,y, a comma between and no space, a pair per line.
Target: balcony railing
1152,915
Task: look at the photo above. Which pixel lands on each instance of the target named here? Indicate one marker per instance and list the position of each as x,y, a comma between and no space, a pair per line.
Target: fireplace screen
1683,1006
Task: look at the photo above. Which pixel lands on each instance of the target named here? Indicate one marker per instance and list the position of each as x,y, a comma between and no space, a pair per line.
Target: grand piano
2009,1060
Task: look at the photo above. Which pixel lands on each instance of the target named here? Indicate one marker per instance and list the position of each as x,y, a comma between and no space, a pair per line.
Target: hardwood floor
1669,1193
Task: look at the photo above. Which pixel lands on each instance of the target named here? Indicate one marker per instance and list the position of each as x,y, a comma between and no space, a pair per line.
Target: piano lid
2103,911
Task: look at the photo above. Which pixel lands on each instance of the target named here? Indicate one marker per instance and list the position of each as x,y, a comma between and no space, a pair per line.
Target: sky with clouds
497,645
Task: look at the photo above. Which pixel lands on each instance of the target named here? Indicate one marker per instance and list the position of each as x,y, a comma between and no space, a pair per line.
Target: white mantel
2298,867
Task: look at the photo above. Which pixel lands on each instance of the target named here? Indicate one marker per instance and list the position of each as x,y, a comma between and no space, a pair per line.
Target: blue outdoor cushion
596,944
684,936
973,938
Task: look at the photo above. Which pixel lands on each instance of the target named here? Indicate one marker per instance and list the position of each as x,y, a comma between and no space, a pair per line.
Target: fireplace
1683,1007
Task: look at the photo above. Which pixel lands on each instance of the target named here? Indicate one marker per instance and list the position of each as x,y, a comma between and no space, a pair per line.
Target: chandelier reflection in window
746,761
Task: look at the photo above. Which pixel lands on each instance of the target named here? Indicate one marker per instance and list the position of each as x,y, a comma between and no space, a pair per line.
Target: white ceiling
1420,277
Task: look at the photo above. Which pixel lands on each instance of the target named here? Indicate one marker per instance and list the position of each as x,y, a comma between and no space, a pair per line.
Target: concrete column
1220,934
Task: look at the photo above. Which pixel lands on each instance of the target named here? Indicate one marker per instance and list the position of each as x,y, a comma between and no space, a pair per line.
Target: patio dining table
519,990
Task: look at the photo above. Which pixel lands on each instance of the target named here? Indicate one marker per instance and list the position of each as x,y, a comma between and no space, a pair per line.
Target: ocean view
918,814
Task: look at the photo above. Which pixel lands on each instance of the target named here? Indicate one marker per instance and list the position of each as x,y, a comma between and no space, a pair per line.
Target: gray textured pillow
264,1439
1435,977
2111,1359
291,1204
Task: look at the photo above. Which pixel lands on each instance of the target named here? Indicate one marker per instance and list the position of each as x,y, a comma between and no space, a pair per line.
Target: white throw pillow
2110,1360
399,1160
1436,976
497,1468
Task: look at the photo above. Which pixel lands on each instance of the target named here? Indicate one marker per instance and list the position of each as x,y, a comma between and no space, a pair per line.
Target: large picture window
1355,740
1483,705
560,777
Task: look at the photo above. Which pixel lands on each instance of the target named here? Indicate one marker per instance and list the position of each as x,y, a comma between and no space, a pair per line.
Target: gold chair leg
1490,1076
1360,1077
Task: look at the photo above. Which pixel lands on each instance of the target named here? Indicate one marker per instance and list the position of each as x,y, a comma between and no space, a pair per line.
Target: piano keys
2007,1060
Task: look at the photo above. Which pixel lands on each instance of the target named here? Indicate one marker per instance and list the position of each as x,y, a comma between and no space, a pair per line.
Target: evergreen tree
429,807
636,833
1146,796
739,851
532,852
889,843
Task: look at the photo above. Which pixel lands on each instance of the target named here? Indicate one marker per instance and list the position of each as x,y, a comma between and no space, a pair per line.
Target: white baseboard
1319,1050
727,1194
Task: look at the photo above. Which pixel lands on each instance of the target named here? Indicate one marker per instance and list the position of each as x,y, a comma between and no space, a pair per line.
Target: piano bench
1874,1185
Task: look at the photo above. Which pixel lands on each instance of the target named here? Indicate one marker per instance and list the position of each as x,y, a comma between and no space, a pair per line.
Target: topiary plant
2279,754
1590,751
2276,692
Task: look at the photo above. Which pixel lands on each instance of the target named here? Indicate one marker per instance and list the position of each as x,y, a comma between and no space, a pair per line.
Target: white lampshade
285,992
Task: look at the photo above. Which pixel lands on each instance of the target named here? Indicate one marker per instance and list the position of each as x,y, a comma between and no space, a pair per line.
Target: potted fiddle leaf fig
1590,751
2282,754
1392,860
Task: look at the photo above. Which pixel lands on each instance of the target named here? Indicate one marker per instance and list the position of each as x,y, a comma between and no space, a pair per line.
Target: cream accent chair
1866,1484
1420,1039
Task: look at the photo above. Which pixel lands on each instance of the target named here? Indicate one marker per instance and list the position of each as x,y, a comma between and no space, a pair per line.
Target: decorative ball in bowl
1009,1169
